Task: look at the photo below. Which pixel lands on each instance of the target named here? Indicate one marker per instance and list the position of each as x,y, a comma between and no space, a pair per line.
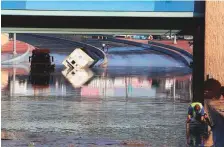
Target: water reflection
85,83
199,136
77,77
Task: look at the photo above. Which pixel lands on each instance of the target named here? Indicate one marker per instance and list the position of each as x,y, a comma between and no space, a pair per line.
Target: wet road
143,104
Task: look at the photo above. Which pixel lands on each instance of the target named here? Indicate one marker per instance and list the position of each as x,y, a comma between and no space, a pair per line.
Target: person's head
197,108
212,89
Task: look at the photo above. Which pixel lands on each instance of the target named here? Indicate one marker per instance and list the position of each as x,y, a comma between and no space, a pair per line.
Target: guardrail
17,59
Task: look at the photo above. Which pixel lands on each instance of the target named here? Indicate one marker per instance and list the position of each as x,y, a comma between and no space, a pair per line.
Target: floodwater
109,108
140,105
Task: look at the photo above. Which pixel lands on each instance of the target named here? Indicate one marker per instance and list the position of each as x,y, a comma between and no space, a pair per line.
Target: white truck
81,58
78,59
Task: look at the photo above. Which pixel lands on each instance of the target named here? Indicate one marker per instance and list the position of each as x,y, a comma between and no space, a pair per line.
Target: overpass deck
104,8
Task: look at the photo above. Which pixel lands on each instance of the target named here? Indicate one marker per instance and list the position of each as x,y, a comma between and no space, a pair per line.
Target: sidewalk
21,47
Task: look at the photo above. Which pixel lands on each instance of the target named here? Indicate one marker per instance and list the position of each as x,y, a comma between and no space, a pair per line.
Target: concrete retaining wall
218,131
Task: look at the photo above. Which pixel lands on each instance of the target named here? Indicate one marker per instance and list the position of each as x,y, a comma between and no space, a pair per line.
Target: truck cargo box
93,55
78,59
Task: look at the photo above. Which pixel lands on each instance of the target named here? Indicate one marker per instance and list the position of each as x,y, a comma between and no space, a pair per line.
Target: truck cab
41,61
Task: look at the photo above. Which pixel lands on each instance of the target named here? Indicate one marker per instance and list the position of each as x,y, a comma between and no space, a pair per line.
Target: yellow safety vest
193,105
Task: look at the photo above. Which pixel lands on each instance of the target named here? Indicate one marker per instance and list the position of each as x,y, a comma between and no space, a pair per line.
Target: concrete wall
214,39
4,38
218,129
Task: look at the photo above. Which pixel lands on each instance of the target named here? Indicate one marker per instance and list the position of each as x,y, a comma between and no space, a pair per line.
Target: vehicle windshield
40,58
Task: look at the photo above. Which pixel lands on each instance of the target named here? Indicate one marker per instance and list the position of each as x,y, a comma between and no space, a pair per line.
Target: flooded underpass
130,103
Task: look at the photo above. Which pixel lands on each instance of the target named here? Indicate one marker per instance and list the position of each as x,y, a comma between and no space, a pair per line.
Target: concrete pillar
170,34
14,44
175,39
214,43
198,62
